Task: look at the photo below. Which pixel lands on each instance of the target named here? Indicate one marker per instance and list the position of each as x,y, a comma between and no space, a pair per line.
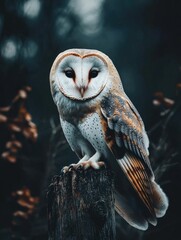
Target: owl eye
70,73
93,73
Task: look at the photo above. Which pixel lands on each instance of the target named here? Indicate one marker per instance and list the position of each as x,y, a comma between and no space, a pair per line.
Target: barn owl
101,124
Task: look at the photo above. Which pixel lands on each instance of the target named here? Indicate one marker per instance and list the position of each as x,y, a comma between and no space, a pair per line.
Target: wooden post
81,205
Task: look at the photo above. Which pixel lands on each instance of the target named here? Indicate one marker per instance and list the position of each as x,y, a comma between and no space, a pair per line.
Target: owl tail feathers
135,215
160,200
134,218
145,201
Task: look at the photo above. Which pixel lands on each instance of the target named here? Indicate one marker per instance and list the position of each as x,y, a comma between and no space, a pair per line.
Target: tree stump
81,205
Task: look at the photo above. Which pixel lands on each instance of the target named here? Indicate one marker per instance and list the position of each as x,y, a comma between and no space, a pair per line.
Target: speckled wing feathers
127,133
126,124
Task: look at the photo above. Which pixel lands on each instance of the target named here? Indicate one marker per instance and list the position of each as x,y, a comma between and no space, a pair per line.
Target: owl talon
79,167
102,164
70,168
83,165
65,169
95,165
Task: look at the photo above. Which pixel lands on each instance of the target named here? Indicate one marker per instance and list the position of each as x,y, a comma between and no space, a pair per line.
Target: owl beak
82,91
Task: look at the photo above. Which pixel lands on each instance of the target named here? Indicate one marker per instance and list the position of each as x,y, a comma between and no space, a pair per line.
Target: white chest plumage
91,129
86,136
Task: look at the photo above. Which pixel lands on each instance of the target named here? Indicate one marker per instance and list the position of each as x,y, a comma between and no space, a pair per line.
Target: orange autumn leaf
22,94
13,143
3,118
24,203
5,109
168,102
20,214
9,157
28,116
13,127
30,133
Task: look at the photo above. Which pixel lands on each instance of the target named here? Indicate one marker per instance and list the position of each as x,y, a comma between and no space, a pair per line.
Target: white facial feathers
81,78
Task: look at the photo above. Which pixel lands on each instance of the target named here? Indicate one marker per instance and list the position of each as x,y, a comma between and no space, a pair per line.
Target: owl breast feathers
100,123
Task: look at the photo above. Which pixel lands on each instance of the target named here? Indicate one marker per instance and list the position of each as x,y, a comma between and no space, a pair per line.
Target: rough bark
81,206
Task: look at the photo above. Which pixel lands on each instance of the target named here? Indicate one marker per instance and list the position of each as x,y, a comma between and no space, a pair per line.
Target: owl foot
89,163
84,165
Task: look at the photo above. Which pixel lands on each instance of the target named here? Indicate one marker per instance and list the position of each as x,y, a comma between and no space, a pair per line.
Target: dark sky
141,37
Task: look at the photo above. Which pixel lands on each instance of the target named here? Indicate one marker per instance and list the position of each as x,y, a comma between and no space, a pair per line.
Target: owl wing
124,120
127,139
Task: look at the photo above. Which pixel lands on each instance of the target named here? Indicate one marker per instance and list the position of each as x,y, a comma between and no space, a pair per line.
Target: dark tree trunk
81,206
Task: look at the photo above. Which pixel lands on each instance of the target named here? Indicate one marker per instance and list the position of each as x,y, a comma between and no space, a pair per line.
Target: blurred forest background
143,38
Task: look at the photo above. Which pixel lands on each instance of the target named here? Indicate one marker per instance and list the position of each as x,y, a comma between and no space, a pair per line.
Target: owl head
81,74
